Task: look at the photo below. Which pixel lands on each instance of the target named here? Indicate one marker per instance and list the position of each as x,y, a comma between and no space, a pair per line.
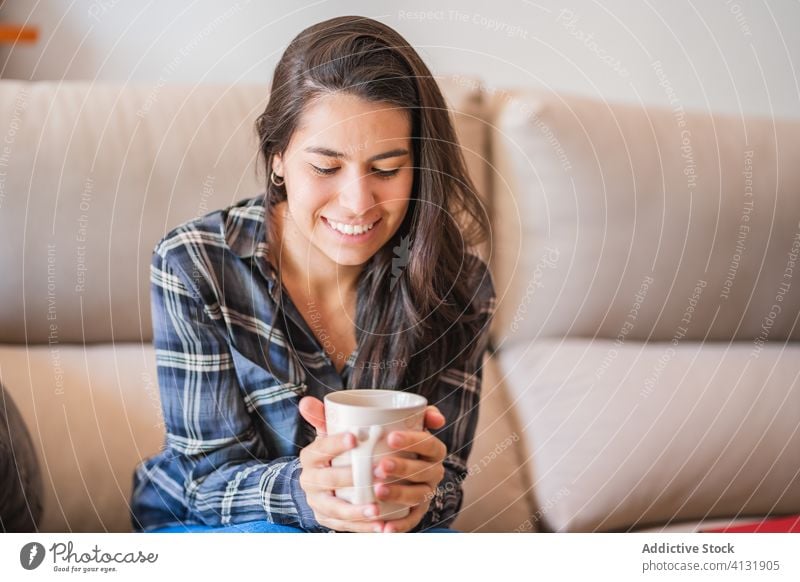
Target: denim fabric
255,527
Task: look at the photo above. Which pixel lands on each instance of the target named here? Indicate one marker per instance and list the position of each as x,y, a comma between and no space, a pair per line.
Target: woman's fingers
329,478
321,452
426,445
333,507
354,526
393,468
319,478
313,410
403,494
434,418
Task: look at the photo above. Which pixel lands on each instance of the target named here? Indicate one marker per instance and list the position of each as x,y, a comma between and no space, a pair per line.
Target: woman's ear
277,165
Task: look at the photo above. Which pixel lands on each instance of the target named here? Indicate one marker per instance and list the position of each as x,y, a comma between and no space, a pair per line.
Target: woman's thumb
313,410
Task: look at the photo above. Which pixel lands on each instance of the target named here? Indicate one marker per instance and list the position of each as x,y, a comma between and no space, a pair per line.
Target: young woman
352,270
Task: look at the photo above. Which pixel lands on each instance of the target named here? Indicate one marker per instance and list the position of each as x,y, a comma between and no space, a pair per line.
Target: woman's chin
348,254
351,258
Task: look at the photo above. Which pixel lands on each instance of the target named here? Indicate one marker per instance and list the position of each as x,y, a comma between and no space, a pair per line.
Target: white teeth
351,229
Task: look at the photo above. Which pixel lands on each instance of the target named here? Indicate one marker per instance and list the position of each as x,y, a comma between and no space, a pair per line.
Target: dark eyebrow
396,153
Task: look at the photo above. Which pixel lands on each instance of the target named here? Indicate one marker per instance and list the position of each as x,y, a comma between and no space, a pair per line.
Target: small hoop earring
272,177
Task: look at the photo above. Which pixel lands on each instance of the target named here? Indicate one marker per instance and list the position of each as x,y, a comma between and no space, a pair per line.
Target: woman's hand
318,478
424,473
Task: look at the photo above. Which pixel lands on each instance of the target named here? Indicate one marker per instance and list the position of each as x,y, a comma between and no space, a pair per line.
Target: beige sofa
642,378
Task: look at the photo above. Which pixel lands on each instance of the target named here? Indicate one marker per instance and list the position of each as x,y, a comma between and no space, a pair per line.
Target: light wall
721,55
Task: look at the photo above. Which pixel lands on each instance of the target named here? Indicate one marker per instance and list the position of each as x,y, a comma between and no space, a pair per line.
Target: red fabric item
785,524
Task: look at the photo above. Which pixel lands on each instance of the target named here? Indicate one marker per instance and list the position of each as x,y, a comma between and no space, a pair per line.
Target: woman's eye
323,171
328,171
387,173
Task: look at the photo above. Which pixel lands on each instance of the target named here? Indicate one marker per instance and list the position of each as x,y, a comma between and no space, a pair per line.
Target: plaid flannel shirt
233,429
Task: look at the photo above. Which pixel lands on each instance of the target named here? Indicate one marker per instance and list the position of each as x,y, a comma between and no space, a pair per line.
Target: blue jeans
255,527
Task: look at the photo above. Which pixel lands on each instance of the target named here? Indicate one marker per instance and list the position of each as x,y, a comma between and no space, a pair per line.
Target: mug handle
361,461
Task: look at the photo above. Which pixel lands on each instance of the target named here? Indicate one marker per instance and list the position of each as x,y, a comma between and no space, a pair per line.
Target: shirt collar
244,231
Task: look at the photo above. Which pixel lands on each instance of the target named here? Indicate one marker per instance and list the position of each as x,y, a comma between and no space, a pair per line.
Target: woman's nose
356,196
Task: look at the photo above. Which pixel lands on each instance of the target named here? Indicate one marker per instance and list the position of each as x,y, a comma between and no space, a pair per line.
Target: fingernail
350,440
398,439
378,529
388,465
370,512
382,490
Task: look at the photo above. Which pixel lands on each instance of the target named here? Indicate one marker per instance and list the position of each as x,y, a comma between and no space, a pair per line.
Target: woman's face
348,165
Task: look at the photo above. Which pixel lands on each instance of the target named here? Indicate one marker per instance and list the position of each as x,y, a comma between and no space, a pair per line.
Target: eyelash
385,174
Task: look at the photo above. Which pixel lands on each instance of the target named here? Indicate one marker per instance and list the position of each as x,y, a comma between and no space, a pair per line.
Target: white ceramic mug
371,415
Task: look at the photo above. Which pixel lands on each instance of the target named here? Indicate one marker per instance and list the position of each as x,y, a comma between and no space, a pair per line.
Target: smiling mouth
350,229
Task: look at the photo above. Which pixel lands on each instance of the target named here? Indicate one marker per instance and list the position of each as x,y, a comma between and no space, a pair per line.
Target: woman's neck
308,268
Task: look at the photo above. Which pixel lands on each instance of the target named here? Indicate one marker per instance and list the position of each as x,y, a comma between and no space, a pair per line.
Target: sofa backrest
92,175
97,174
628,222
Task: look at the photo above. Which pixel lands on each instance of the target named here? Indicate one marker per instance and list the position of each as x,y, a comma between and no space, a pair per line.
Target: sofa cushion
20,476
608,219
93,413
497,494
629,435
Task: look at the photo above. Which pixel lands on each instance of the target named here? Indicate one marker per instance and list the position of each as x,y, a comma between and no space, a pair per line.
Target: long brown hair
415,314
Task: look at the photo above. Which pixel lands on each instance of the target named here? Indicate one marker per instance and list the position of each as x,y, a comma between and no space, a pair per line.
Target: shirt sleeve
458,397
226,477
